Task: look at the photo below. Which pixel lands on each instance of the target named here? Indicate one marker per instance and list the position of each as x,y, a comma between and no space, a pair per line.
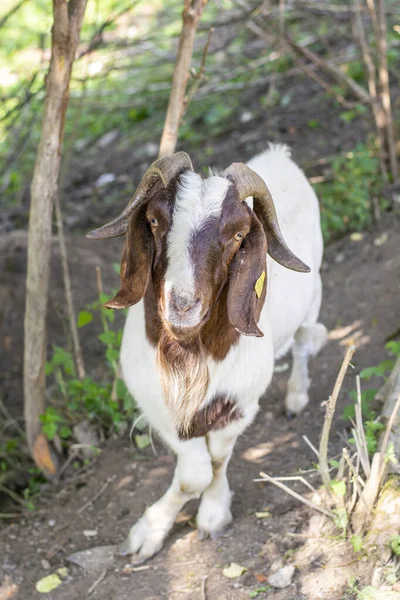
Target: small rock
356,237
51,522
246,116
105,179
101,557
150,149
276,564
282,578
339,258
90,532
108,138
45,564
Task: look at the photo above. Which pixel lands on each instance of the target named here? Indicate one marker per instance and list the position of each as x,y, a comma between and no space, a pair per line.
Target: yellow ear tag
260,284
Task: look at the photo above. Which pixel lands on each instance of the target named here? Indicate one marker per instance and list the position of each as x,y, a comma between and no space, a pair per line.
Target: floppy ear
247,282
136,262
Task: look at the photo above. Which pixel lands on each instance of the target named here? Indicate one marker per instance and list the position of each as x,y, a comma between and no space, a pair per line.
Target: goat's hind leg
308,340
193,474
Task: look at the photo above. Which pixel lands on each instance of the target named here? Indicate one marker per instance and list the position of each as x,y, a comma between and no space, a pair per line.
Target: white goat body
288,319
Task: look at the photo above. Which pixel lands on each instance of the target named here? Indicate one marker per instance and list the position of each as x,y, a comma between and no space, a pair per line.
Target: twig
385,441
13,421
10,516
367,498
297,478
289,491
13,495
330,411
203,590
96,496
97,582
311,445
68,292
377,109
192,12
199,75
385,89
11,12
363,449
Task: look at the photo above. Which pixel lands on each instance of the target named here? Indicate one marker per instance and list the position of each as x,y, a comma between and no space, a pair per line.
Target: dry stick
384,81
311,445
324,84
191,16
385,440
367,499
289,491
96,496
68,19
203,590
363,450
68,292
376,106
97,582
330,411
199,76
114,363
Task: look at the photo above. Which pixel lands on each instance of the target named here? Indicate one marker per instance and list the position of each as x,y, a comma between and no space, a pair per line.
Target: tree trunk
192,12
68,18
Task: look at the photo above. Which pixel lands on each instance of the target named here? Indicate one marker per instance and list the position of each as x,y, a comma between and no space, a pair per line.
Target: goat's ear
247,282
136,262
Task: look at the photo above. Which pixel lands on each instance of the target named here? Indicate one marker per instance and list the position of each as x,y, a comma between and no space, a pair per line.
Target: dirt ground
361,305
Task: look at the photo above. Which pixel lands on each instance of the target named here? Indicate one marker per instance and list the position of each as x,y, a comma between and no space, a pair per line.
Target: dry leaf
234,570
48,584
263,515
261,578
356,237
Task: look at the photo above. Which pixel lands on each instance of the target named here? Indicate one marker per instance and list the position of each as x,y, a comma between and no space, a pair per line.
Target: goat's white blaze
196,201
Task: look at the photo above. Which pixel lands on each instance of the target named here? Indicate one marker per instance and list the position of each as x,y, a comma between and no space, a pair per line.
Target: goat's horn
164,168
248,183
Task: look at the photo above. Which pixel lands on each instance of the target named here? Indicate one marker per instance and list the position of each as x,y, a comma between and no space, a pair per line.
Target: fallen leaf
234,570
381,239
263,515
261,578
62,572
48,584
356,237
142,441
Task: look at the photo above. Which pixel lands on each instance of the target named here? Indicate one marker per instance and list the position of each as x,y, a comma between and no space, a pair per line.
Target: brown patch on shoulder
221,411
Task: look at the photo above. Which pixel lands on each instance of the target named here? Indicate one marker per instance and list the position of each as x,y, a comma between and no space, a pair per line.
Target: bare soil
361,305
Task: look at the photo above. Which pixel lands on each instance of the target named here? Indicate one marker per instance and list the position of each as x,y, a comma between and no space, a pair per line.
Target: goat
200,340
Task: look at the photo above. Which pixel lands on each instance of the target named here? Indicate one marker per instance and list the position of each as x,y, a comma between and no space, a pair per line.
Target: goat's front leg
193,474
214,512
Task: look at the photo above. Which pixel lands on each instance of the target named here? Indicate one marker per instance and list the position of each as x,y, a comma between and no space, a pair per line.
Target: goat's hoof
202,534
295,402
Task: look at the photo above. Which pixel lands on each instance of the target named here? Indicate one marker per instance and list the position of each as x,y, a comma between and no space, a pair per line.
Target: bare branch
330,411
192,12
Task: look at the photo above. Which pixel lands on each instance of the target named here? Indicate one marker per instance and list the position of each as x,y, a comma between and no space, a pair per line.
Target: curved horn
164,168
248,183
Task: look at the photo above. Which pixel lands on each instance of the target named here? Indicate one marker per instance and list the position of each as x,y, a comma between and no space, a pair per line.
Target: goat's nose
183,304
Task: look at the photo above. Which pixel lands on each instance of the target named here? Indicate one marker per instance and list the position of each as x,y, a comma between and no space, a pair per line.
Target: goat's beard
184,377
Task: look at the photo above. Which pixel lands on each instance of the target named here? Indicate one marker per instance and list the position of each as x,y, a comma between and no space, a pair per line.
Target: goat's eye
153,222
238,236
